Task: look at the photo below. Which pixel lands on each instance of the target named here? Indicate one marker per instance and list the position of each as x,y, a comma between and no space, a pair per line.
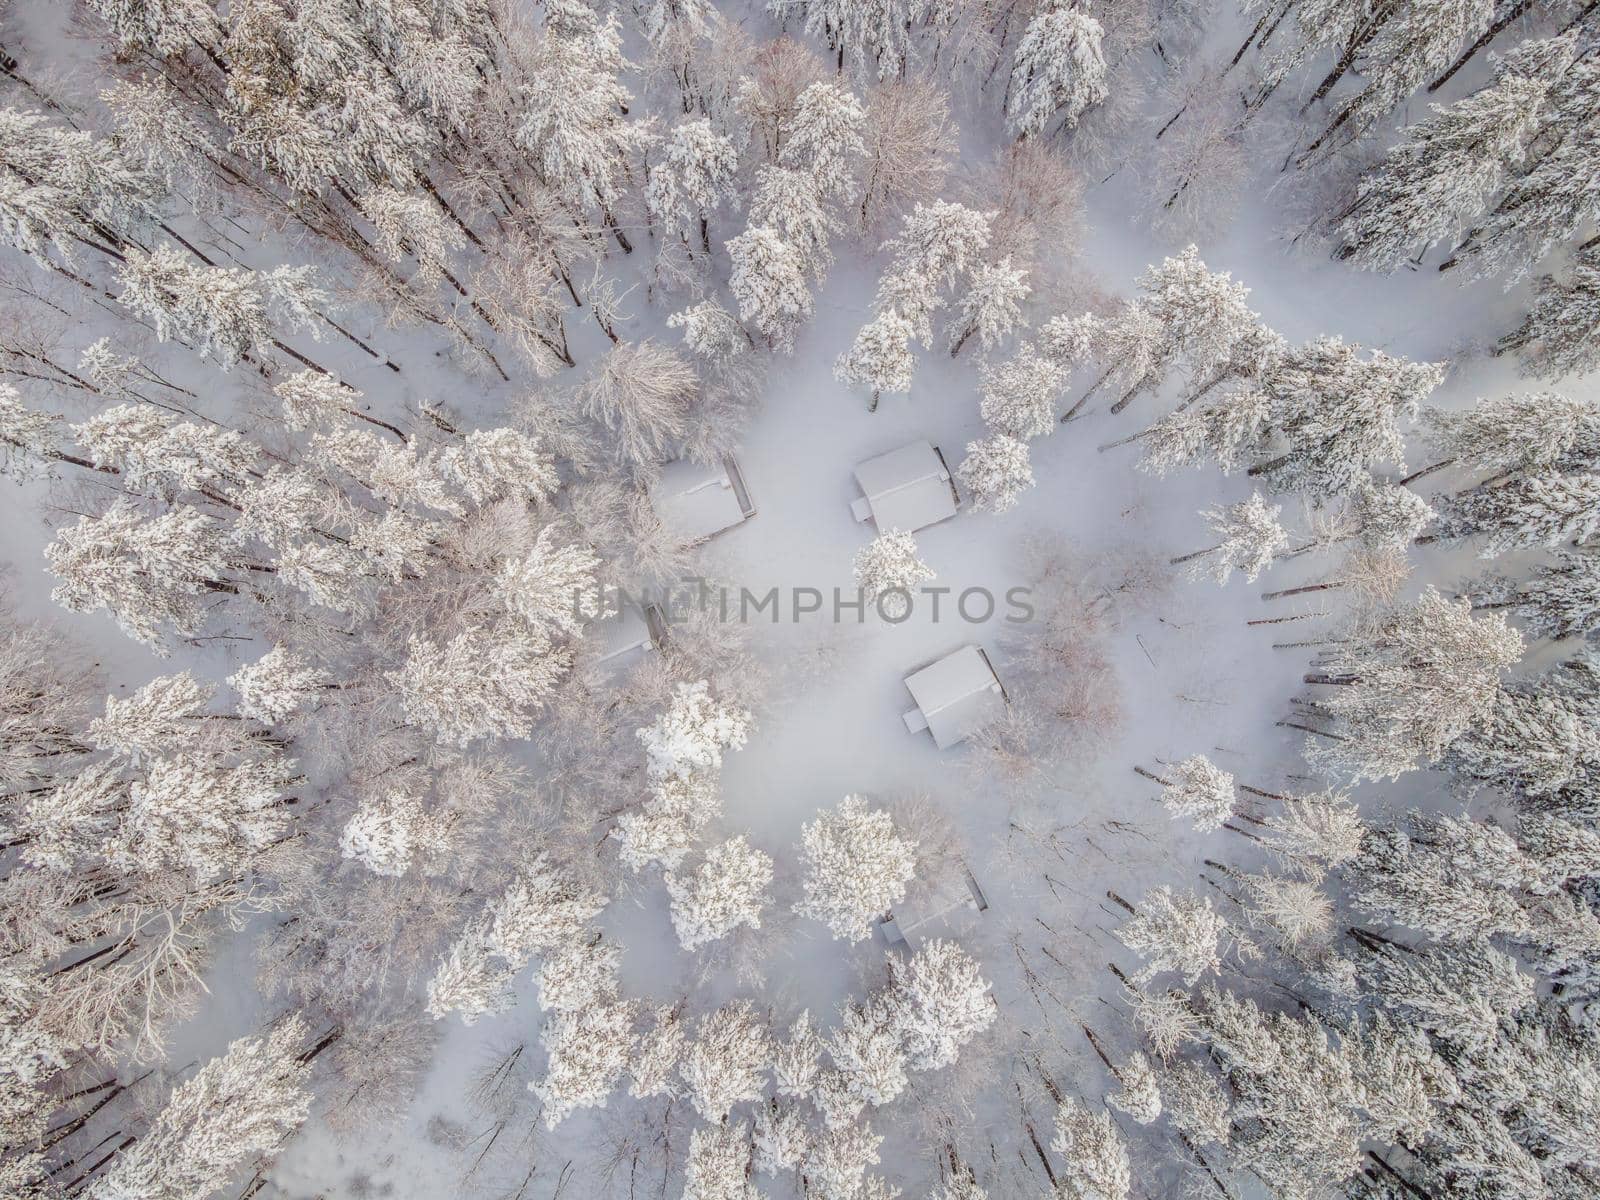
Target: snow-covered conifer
1251,537
388,835
1389,515
691,735
1314,834
551,588
1096,1158
709,331
726,1063
1529,511
224,312
1019,396
991,306
1197,788
824,136
719,1164
1140,1096
235,1109
162,27
795,1059
769,282
61,185
839,1160
865,1048
887,569
1338,414
1561,333
940,1003
880,358
655,1061
147,572
410,223
482,683
276,685
207,819
728,889
789,200
1519,432
1561,598
995,472
1412,685
588,1052
856,866
693,177
573,105
1180,933
578,975
939,242
1437,179
1460,994
165,716
781,1137
1549,199
1057,70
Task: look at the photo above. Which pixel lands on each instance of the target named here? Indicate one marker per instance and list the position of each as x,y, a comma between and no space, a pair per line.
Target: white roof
957,696
622,632
695,500
908,488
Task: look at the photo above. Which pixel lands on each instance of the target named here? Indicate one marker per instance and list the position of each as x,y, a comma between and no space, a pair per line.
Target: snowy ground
1194,677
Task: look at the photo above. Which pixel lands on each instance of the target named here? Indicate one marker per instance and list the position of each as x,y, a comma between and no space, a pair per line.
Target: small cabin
697,501
906,489
627,634
937,912
956,696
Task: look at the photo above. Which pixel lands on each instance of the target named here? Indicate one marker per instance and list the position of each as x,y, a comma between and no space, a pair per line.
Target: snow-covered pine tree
887,569
573,108
66,189
234,1110
719,1164
1518,432
857,866
693,177
726,890
880,358
940,1002
1528,511
1018,397
1411,685
1199,789
769,282
1337,414
1561,598
1058,69
1251,537
991,306
149,573
1437,180
225,313
726,1063
995,472
1561,333
1550,200
1096,1158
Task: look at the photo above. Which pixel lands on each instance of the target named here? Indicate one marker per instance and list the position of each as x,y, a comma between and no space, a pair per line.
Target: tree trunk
1488,35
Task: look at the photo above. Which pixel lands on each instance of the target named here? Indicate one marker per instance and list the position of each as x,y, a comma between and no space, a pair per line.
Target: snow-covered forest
833,599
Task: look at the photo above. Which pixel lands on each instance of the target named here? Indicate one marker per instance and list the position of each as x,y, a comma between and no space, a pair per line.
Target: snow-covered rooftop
956,696
698,501
906,489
